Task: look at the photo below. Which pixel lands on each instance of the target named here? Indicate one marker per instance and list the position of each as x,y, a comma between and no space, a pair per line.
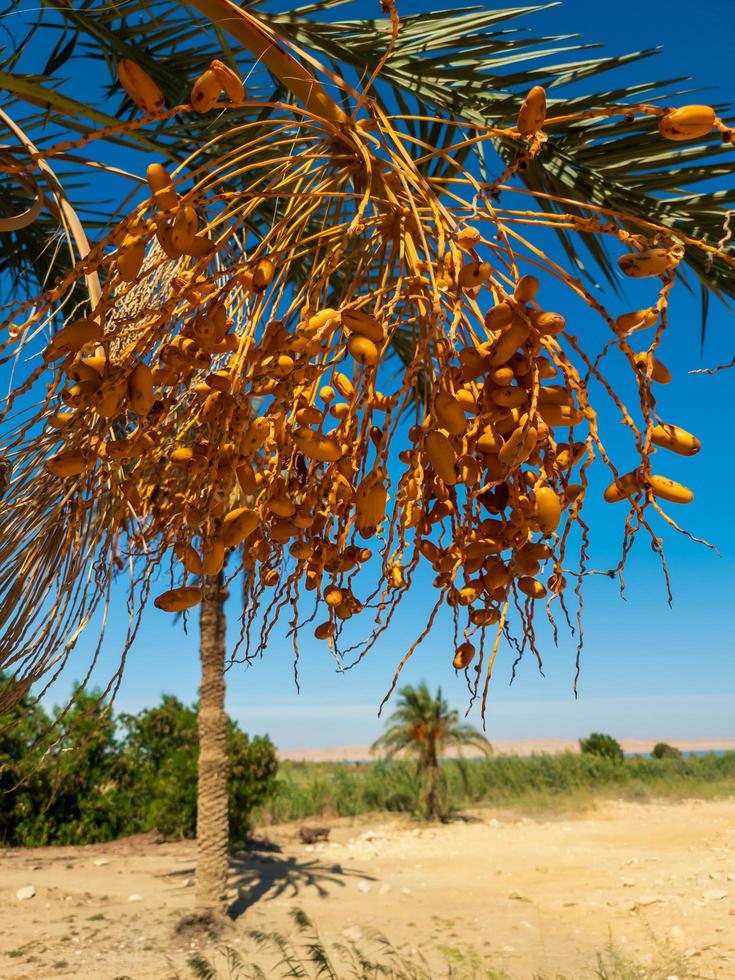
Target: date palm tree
424,726
445,66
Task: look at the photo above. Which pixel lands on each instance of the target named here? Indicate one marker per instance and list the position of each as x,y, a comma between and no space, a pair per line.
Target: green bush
603,745
106,778
662,750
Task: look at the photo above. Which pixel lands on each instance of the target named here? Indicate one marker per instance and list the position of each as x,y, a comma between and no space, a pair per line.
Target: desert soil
534,896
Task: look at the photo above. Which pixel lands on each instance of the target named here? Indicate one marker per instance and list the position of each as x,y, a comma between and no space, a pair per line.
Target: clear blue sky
648,671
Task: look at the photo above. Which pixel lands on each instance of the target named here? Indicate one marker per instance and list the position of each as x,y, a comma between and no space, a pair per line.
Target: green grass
537,784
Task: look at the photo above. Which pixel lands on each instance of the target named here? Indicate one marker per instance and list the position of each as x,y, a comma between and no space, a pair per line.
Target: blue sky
648,670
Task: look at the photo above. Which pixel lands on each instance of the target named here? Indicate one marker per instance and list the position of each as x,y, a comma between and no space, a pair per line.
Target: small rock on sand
363,886
644,900
27,891
101,862
713,895
135,898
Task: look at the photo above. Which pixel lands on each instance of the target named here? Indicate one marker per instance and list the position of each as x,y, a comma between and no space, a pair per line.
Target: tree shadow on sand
257,877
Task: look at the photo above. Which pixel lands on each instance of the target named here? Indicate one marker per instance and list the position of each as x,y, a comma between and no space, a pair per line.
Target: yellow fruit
468,238
198,247
468,470
473,274
319,320
238,525
140,389
648,263
60,419
88,368
343,385
140,87
474,363
489,441
162,188
464,655
109,400
560,415
282,530
450,413
625,486
229,80
526,288
554,395
371,500
282,506
72,338
498,317
263,274
164,234
651,366
80,394
206,91
511,338
532,114
184,227
69,463
519,446
495,574
364,324
442,456
549,324
129,259
532,587
667,489
178,600
467,400
548,509
213,555
677,440
120,449
190,559
218,381
363,350
316,446
636,320
484,617
690,122
510,397
333,596
254,436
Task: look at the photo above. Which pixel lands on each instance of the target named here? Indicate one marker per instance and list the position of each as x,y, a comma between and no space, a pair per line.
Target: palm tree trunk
212,815
432,798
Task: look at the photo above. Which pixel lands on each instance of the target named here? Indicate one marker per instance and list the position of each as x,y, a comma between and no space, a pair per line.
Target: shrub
104,778
602,745
662,750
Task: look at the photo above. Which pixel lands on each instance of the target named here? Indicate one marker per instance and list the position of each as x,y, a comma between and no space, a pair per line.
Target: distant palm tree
423,725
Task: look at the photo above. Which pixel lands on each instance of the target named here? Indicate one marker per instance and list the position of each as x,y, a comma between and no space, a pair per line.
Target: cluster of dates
221,404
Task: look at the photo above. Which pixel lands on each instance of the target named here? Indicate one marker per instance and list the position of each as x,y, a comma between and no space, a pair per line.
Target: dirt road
533,896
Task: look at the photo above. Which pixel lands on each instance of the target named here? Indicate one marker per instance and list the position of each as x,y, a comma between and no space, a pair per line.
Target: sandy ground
533,896
548,746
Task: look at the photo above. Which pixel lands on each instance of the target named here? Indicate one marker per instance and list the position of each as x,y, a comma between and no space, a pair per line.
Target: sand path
533,896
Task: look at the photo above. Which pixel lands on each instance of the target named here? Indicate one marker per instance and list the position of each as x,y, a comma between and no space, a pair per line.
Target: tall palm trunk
432,797
212,815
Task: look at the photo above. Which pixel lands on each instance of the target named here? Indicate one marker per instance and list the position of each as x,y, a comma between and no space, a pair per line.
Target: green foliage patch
534,783
108,777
